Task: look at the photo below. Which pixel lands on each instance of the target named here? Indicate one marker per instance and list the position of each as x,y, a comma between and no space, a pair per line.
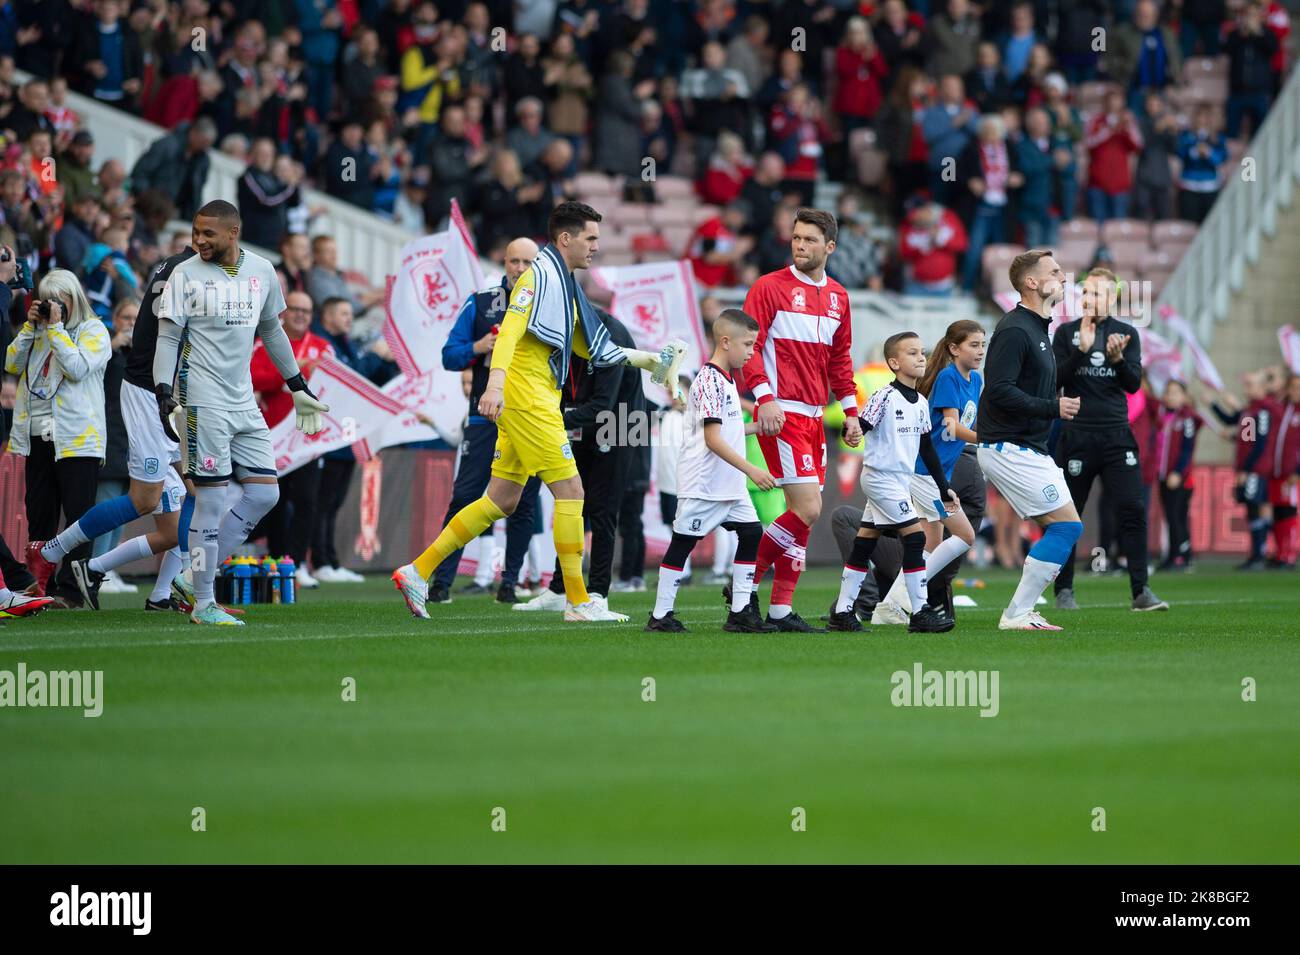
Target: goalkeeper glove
306,406
669,366
166,405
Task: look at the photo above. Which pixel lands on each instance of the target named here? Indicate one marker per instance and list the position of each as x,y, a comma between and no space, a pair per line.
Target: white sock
666,594
205,532
1033,581
5,594
850,584
240,520
778,611
943,555
915,582
483,572
724,549
742,585
172,563
137,548
898,594
60,547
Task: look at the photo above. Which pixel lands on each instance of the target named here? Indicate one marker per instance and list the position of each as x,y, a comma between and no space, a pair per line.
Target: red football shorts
1280,495
798,454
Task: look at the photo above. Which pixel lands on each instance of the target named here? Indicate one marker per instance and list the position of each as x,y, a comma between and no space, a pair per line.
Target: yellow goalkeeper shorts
532,442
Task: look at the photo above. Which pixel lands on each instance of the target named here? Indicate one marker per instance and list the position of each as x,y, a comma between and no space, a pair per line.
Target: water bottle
243,582
271,573
287,567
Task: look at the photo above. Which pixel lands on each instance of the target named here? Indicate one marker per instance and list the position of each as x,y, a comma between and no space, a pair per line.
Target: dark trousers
1176,502
1086,455
1195,206
604,476
16,574
53,486
632,528
335,479
472,475
291,524
887,558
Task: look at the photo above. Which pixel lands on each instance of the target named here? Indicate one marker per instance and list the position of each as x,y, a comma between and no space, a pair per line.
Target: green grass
480,707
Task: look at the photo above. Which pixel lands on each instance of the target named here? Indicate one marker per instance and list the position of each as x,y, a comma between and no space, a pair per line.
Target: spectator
349,169
75,174
902,137
290,523
552,171
105,56
509,203
1146,55
857,259
107,274
153,212
952,38
1112,139
763,191
773,249
39,160
930,242
30,111
295,262
1067,134
28,220
326,281
479,64
1019,41
658,137
408,211
570,87
1251,47
900,35
178,165
297,214
727,172
320,23
429,74
1199,23
78,233
795,130
788,74
1028,89
1035,157
1202,151
1154,183
716,99
362,69
524,74
1076,37
528,138
748,52
716,247
113,477
947,127
617,137
860,73
263,198
986,83
985,169
59,425
454,163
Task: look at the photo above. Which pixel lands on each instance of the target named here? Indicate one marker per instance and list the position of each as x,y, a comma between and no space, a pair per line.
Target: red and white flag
357,410
1289,339
415,395
1161,360
1066,310
435,275
1180,326
657,303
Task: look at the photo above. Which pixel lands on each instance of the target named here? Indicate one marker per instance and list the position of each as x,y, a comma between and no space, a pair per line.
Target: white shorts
1032,483
698,517
150,453
221,444
925,495
889,499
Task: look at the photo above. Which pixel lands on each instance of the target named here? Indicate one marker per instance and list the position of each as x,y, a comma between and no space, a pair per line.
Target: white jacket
77,377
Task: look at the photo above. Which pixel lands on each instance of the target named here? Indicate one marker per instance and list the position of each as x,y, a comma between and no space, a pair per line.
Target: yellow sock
568,547
473,519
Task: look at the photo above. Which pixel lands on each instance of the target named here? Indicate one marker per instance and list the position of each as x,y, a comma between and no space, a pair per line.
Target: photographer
59,357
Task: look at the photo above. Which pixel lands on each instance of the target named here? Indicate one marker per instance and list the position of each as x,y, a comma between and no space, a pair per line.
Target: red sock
1284,536
778,536
789,563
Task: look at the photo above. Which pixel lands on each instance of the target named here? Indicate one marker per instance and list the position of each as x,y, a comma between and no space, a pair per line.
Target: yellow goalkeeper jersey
526,359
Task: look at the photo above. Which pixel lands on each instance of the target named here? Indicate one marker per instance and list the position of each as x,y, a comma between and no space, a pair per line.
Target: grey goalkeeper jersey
220,315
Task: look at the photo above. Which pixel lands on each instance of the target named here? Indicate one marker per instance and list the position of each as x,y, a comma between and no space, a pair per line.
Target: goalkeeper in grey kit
208,314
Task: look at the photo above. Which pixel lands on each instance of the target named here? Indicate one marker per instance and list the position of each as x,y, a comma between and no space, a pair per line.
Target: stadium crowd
964,124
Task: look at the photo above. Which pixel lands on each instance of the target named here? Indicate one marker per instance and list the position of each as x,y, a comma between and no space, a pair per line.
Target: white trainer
113,584
413,588
326,575
889,614
346,576
546,600
1033,620
603,603
591,612
303,579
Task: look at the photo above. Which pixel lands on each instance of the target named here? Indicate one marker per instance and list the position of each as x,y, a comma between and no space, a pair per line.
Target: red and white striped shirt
804,336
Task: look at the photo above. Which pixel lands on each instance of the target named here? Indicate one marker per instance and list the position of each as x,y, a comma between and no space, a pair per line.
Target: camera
22,279
43,310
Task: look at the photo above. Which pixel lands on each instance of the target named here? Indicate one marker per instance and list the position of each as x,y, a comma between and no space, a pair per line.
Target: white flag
357,409
1289,339
435,276
415,397
657,303
1180,326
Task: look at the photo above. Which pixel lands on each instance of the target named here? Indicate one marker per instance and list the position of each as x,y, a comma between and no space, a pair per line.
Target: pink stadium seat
703,212
1128,253
1172,231
1079,229
677,236
623,257
1126,230
1158,278
595,185
669,188
1075,254
996,259
1161,259
675,212
860,140
872,166
630,217
616,240
1205,66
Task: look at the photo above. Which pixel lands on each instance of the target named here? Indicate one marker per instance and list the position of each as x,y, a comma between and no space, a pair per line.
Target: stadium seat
1091,96
669,188
616,240
860,140
632,216
1128,254
595,185
677,236
872,166
703,213
1126,230
1161,259
615,258
995,260
1075,254
675,213
1172,231
1079,229
1158,278
1205,66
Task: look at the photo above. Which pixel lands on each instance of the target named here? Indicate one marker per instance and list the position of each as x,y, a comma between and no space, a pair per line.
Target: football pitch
484,735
